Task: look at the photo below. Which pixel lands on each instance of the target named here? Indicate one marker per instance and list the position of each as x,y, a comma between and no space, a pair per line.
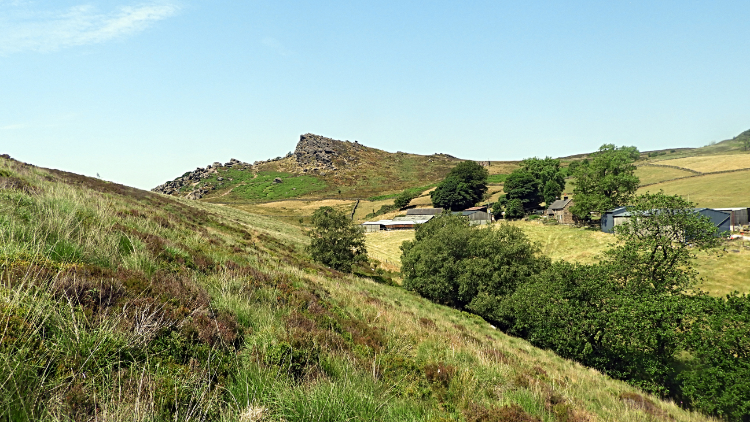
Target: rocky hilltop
193,179
316,154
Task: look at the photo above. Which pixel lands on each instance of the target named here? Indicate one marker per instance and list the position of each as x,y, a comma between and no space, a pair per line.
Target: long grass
158,309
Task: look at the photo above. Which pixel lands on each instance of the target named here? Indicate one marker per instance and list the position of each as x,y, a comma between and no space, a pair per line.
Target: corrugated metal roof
424,211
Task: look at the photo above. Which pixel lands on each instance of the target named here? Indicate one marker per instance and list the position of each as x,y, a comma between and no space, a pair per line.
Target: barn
617,216
738,217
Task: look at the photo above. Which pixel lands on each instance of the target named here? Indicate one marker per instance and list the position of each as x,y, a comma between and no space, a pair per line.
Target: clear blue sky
142,91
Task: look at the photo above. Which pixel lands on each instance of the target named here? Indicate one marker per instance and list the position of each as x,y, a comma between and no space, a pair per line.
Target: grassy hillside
709,190
119,304
723,270
368,172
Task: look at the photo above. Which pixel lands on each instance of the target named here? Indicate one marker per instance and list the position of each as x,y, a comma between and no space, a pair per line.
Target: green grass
497,178
247,186
119,304
710,190
653,174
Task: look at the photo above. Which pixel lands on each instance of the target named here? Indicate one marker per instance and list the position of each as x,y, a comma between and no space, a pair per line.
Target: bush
514,209
335,241
474,269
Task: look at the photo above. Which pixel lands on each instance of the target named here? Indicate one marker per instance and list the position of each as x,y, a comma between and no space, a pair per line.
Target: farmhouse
560,210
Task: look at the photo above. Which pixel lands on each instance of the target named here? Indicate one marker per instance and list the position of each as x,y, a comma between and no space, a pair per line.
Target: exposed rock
277,180
317,153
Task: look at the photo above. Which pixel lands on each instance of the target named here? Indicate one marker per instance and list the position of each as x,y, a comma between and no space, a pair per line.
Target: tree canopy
537,180
606,181
335,241
464,186
449,262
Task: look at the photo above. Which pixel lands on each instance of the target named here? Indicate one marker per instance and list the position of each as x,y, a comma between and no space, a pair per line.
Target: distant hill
325,168
320,167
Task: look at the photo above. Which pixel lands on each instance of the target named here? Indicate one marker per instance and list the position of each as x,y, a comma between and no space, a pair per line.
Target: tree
335,241
607,181
523,187
551,192
402,201
452,263
464,186
514,209
535,181
499,207
658,244
545,171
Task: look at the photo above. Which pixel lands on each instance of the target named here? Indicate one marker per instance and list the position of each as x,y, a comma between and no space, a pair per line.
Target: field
653,174
710,190
722,272
712,163
119,304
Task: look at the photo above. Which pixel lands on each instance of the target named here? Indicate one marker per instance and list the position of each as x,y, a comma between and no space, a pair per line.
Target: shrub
335,241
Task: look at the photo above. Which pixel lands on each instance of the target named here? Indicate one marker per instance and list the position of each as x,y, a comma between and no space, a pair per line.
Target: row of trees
633,316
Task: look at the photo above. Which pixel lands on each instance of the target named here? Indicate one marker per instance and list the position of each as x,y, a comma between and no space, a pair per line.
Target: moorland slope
121,304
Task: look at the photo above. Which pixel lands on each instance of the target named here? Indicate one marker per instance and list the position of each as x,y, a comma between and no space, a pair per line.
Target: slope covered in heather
120,304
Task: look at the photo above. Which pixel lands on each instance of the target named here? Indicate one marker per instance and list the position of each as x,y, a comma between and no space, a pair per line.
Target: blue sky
141,92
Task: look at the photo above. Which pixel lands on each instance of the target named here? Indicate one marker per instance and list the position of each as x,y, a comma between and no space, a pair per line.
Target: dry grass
726,271
385,246
710,190
711,163
653,174
567,243
502,167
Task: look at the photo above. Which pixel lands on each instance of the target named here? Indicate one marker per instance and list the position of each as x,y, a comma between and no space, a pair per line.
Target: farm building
388,225
560,210
608,219
424,211
617,216
475,217
738,217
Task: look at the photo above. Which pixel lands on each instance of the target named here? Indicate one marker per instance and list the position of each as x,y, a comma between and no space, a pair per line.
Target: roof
413,217
424,211
730,209
466,212
394,222
559,204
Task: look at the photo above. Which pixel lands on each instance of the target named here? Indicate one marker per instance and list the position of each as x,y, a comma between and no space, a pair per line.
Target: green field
710,190
655,174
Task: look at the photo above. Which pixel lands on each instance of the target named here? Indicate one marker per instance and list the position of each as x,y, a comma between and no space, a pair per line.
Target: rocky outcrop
193,178
315,153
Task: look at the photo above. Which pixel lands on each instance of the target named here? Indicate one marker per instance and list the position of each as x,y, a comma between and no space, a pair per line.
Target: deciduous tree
335,241
463,187
606,182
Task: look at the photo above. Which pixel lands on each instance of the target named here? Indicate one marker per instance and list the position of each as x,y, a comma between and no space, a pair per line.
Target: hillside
320,167
120,304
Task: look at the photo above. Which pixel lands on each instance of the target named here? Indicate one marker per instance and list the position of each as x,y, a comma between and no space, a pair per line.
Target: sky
140,92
